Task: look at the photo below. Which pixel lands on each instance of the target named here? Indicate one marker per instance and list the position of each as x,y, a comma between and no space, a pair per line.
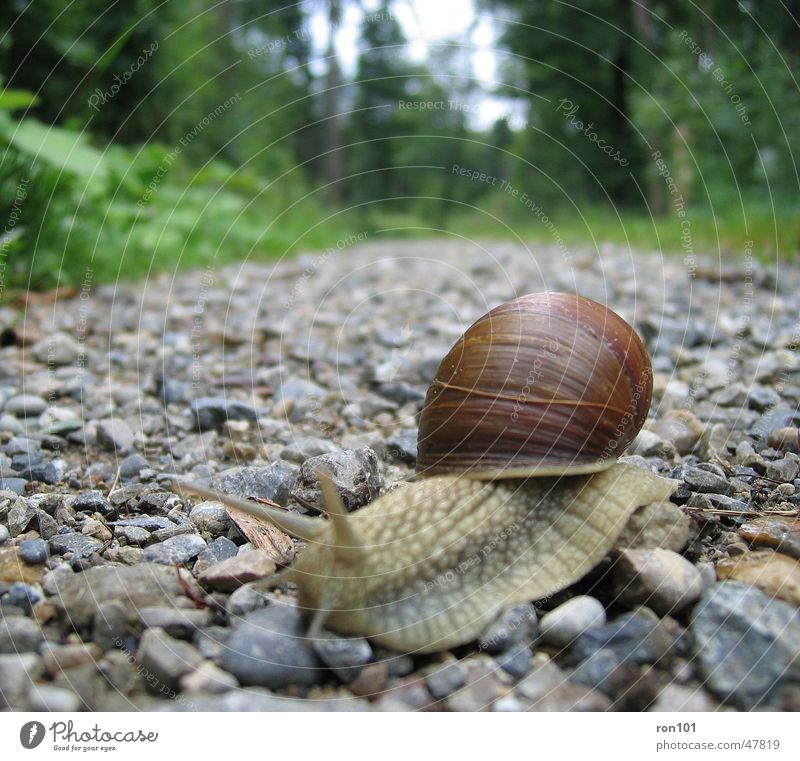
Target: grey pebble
446,680
17,485
115,435
513,626
704,481
57,349
177,549
25,406
355,474
47,697
19,634
33,551
402,446
134,535
177,622
4,535
307,446
18,671
273,482
268,648
784,471
132,466
93,502
166,658
345,656
211,412
745,643
562,625
78,544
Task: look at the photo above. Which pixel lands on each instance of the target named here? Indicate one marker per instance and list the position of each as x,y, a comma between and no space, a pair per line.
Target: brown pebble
786,439
58,658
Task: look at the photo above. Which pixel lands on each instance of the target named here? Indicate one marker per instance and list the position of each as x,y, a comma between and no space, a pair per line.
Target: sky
425,24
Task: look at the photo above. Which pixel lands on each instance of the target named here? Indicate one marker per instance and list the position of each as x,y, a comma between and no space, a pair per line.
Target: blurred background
154,134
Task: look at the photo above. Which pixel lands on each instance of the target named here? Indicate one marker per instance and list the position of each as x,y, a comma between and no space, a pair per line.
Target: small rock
745,643
781,534
24,596
274,482
785,439
646,443
446,680
18,671
248,597
658,578
177,622
210,516
212,411
132,466
57,349
777,575
402,446
133,535
307,446
676,697
58,658
33,551
704,481
485,684
216,550
355,475
561,626
17,485
344,656
633,637
21,516
207,679
4,535
25,406
177,549
232,573
762,398
93,502
603,671
783,471
268,648
19,634
115,435
300,391
166,658
516,661
681,427
47,697
659,524
79,545
96,529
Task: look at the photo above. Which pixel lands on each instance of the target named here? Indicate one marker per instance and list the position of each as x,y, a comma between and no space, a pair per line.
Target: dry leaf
264,535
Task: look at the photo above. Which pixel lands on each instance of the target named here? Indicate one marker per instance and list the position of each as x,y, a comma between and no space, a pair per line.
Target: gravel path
116,593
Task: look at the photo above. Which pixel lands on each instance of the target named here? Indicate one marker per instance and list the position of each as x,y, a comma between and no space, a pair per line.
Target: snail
519,493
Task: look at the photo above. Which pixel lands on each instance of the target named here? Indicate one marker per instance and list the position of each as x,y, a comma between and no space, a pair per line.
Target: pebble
228,575
784,471
47,697
274,482
78,544
18,671
177,549
57,349
785,439
132,466
345,657
33,551
177,622
212,412
675,697
705,481
659,524
355,474
562,625
58,658
446,679
300,391
17,485
744,642
268,648
210,516
93,502
658,578
4,535
775,574
133,535
165,659
307,446
19,634
632,637
216,550
207,679
25,406
115,435
681,427
402,446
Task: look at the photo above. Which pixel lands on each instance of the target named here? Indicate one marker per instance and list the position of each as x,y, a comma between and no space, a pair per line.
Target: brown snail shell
546,384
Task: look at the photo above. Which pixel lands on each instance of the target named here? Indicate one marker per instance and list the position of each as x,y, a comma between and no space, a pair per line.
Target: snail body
432,564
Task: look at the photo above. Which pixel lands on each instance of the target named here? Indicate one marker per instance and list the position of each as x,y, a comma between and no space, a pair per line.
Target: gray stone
344,656
273,482
658,578
147,522
19,634
47,697
211,412
633,637
446,679
562,625
659,524
676,697
21,516
784,471
228,575
58,575
17,485
207,679
25,406
132,466
10,424
516,661
216,550
80,596
93,502
763,398
4,535
646,443
23,596
355,474
514,626
210,516
22,445
307,446
704,481
402,446
133,535
177,549
33,551
177,622
57,349
745,643
78,544
166,658
115,435
300,391
247,598
18,671
268,648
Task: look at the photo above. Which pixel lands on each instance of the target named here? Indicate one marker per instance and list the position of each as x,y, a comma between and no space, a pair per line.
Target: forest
151,134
